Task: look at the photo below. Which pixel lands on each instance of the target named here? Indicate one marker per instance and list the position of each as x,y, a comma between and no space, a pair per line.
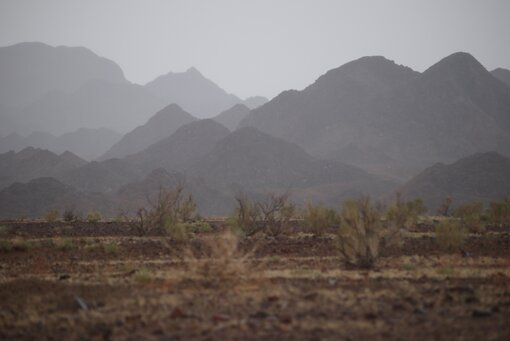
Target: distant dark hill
86,143
502,74
455,108
31,163
193,92
106,176
163,124
187,144
31,70
35,198
480,177
230,118
209,201
254,161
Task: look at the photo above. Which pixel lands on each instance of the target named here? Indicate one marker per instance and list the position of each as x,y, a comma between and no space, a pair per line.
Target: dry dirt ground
102,281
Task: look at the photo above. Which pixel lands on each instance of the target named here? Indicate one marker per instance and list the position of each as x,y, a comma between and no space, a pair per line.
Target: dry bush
167,213
221,264
362,234
444,209
470,215
499,212
450,235
51,216
404,214
271,216
319,220
93,217
69,215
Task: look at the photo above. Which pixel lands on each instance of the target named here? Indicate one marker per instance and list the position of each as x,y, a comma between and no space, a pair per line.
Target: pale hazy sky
262,47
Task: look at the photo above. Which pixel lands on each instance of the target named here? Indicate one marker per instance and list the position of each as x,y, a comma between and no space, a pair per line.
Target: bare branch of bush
271,215
167,212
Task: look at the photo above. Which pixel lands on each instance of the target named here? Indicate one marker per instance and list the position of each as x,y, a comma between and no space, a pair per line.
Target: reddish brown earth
102,281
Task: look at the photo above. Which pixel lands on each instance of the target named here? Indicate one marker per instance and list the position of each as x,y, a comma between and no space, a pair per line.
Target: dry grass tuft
221,264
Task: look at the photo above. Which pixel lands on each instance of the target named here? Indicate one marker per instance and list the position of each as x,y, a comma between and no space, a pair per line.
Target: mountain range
61,89
369,127
480,177
85,142
399,120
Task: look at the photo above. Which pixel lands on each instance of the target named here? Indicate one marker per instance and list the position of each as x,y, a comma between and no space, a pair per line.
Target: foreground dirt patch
294,288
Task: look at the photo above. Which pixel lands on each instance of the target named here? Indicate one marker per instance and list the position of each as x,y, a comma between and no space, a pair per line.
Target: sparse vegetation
143,276
167,213
319,220
69,215
450,235
444,209
93,217
4,230
51,216
272,215
404,214
5,245
361,234
499,212
470,215
111,248
221,264
64,244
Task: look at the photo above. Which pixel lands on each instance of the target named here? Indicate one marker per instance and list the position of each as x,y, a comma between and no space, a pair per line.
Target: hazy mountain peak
502,74
193,92
457,64
37,69
193,71
161,125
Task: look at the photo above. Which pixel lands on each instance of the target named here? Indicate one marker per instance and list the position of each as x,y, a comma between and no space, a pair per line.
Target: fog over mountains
73,127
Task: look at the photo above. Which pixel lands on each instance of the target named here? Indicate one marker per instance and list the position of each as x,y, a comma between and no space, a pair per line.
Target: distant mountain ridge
231,117
31,163
193,92
62,89
502,74
479,177
454,108
86,143
161,125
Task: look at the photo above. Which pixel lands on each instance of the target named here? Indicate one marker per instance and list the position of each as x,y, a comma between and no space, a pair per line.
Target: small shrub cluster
450,235
221,264
271,216
93,217
69,215
362,234
111,248
51,216
444,209
499,212
168,213
318,220
470,216
404,214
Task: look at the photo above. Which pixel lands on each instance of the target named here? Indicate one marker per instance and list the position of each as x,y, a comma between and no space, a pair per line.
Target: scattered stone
481,313
63,277
81,302
260,315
